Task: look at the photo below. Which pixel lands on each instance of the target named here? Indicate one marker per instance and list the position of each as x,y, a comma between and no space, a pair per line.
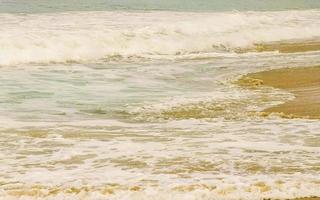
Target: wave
88,36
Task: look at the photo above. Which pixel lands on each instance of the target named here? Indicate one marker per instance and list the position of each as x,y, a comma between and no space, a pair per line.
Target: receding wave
90,36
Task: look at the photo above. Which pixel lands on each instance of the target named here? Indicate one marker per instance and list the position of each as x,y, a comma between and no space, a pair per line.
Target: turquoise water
32,6
136,100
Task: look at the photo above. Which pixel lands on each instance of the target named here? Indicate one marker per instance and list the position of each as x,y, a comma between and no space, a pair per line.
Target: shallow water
142,105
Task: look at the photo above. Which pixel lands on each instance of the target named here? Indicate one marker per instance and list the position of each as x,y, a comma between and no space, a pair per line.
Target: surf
82,37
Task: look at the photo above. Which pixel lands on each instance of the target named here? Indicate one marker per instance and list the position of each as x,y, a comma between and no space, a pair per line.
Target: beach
161,100
303,82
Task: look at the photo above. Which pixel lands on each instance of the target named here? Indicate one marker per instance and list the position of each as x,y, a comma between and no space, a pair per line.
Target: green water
31,6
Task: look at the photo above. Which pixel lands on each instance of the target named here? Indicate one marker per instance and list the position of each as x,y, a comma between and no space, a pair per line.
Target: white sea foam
195,160
87,36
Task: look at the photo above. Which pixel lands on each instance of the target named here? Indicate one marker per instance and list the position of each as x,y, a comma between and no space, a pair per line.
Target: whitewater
94,36
143,105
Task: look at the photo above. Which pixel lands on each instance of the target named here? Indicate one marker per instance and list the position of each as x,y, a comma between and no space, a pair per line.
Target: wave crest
87,36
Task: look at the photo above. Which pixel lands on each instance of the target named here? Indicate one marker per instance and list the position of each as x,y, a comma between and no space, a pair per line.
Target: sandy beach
304,83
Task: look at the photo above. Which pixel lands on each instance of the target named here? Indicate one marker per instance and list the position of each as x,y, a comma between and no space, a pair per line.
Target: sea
137,100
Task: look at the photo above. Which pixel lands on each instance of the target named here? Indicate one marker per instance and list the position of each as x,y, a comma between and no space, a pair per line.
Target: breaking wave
92,36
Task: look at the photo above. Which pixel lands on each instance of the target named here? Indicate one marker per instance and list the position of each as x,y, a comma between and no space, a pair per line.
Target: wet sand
289,47
304,83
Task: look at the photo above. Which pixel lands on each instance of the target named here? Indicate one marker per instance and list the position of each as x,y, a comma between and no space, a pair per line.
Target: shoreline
289,47
303,83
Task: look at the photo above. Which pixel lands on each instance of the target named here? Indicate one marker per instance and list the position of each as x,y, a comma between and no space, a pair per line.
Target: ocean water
35,6
136,100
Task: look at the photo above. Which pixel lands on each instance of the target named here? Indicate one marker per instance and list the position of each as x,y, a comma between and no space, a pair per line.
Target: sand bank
289,47
304,83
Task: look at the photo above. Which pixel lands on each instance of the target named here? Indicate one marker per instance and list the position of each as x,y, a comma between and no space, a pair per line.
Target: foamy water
90,36
143,105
